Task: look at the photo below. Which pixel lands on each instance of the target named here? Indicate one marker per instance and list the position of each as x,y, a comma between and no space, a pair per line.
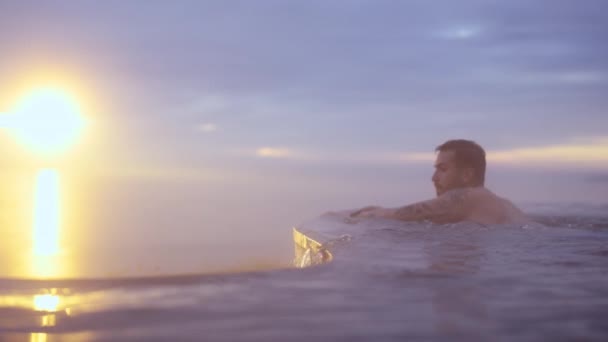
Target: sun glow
46,120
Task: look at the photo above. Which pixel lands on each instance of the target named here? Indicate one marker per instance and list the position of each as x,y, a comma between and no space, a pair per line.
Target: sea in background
388,281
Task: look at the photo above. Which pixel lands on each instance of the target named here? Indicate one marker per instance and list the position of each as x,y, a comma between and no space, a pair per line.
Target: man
461,196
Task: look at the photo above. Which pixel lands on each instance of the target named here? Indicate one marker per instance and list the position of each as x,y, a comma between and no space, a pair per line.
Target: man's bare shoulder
490,208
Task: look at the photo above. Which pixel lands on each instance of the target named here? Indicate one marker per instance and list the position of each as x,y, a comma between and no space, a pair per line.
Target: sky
265,113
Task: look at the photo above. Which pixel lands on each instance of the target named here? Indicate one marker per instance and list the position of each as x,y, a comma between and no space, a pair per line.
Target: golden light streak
593,152
587,153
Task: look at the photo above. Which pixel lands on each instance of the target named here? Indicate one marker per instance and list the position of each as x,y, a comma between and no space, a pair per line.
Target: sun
46,120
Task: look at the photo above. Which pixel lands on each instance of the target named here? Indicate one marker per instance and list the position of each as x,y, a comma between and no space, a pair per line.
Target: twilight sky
289,108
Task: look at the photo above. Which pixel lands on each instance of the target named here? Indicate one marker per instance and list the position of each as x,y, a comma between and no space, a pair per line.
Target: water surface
389,281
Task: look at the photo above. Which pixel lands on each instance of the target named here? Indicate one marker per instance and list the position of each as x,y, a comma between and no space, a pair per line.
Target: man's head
459,164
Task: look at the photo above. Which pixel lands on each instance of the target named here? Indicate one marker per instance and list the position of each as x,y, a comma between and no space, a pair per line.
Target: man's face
447,174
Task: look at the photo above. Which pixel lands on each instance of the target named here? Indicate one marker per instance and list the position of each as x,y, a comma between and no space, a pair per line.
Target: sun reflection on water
48,303
46,213
47,224
46,246
38,337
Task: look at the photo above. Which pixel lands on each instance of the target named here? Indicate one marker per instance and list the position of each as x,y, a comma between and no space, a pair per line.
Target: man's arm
452,206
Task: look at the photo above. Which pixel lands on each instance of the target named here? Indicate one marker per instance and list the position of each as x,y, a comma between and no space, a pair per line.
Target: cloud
273,152
321,156
543,77
460,33
582,77
590,153
207,127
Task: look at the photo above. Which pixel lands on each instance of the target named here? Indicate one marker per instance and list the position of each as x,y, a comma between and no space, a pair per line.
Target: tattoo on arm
449,207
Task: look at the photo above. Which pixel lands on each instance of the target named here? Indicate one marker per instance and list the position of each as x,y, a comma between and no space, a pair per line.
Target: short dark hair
467,153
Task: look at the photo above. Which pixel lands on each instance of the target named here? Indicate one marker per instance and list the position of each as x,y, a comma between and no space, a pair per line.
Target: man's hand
364,212
369,212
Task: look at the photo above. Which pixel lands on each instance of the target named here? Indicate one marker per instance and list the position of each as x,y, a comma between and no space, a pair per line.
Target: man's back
487,208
